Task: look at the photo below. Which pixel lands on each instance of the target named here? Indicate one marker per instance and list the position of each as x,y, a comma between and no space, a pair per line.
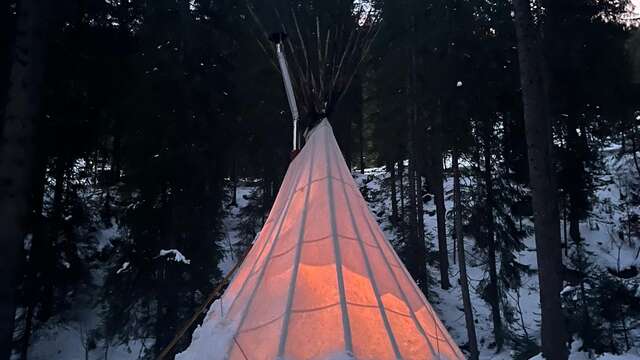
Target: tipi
321,281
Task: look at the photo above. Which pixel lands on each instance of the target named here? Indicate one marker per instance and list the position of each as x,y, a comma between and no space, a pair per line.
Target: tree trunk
394,194
574,226
420,208
437,184
46,250
575,187
564,230
347,143
361,142
634,145
454,252
401,172
421,245
462,265
5,41
417,249
167,279
38,238
402,209
494,298
116,164
415,253
234,180
125,59
17,155
543,183
28,328
441,215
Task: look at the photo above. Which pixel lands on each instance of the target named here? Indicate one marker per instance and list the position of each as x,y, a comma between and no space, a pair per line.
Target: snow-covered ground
231,226
601,239
448,303
72,340
68,342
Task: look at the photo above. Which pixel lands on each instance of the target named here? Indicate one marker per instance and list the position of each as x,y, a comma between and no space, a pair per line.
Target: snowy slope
72,340
599,231
601,239
68,341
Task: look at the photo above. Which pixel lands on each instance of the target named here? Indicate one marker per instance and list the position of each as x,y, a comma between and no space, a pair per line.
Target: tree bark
421,245
418,248
348,143
494,298
565,242
443,251
28,328
634,149
5,31
45,250
420,210
394,193
32,283
574,226
462,265
634,141
234,180
17,155
576,187
437,184
543,183
402,209
416,254
361,142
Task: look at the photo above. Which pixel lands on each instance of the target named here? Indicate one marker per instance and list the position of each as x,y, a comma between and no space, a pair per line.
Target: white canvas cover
321,281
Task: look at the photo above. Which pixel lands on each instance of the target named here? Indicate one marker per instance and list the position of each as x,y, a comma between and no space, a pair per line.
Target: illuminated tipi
321,281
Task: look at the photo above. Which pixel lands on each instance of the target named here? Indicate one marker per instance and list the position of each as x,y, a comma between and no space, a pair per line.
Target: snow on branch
176,256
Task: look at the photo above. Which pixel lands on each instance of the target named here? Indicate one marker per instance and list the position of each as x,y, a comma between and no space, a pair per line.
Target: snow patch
212,339
105,236
177,256
576,354
28,241
566,290
123,268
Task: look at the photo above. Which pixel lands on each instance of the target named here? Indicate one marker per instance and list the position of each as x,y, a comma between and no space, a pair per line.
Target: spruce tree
545,205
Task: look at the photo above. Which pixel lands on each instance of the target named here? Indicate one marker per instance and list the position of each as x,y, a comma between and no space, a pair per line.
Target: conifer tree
17,154
545,205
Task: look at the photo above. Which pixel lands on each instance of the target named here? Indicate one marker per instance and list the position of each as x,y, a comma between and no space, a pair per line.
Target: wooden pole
201,310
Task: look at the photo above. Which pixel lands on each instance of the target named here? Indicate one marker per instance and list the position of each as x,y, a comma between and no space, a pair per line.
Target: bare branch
322,80
265,36
319,46
365,53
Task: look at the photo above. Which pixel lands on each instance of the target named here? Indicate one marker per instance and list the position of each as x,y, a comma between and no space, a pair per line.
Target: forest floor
601,240
600,232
